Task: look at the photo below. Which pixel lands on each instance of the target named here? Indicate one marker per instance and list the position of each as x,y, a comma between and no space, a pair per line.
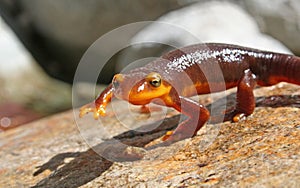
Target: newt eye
154,79
155,82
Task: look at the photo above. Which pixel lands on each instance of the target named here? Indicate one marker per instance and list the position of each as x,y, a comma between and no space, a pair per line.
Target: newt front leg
98,107
197,114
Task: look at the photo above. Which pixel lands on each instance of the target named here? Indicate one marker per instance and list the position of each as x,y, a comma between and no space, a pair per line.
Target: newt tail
199,69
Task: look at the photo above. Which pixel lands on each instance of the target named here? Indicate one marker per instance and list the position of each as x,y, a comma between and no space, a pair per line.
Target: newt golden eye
155,82
154,79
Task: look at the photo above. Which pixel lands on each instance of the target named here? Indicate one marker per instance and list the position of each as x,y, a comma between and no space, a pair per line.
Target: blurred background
42,41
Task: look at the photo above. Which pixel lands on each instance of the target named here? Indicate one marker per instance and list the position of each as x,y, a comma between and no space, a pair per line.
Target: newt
199,69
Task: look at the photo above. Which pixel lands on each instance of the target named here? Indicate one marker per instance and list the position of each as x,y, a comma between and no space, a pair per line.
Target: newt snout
118,78
120,86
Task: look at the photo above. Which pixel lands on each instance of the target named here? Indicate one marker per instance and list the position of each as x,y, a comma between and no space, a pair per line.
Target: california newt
199,69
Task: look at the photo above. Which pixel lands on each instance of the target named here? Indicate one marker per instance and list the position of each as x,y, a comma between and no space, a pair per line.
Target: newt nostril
115,84
116,80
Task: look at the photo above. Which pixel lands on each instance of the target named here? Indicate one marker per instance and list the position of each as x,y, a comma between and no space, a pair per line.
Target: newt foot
239,117
167,135
235,116
147,109
91,107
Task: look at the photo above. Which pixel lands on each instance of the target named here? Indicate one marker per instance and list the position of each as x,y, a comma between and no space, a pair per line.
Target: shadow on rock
224,107
90,164
279,101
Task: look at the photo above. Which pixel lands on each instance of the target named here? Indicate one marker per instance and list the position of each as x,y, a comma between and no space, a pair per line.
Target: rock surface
263,150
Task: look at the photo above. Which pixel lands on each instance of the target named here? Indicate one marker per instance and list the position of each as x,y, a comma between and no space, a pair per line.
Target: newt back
215,67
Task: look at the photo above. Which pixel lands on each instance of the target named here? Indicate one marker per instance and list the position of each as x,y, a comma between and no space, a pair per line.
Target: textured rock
260,151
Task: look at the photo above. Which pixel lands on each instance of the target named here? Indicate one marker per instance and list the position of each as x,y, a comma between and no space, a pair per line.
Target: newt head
139,88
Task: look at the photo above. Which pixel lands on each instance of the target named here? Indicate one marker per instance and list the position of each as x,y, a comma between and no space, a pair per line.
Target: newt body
199,69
